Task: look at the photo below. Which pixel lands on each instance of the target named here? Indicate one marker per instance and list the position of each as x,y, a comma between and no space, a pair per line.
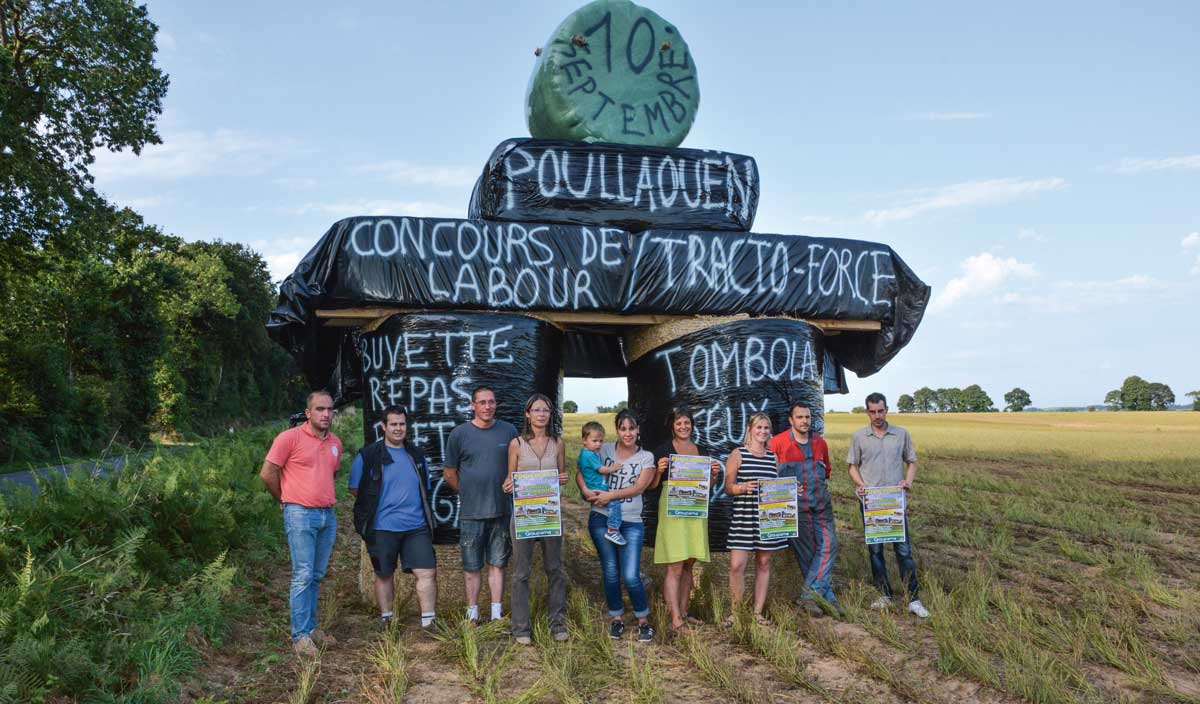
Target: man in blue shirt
390,483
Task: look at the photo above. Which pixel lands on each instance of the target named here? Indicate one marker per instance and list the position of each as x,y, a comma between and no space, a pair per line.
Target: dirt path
797,660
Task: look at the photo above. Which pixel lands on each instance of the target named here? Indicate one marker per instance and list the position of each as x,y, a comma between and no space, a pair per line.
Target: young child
593,470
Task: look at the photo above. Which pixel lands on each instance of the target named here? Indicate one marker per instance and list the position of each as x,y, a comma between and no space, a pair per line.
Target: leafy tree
613,409
974,399
74,76
1137,394
925,399
1017,400
858,409
570,407
1195,396
1161,397
906,404
949,400
120,330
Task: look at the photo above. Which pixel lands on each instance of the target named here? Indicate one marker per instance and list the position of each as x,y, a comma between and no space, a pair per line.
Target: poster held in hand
688,480
537,507
777,509
884,514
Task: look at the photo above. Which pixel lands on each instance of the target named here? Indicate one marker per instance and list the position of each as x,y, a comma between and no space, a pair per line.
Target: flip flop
762,620
694,621
727,622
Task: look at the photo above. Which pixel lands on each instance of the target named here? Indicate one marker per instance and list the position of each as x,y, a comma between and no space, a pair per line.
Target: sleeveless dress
743,526
677,539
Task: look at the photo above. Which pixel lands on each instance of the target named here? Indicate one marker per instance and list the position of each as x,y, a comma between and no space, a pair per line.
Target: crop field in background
1057,553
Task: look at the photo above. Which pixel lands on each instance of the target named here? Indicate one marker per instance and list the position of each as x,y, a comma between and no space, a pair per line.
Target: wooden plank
356,317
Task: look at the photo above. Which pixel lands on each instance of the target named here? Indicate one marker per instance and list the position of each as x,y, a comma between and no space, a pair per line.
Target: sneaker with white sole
614,537
524,640
918,609
883,602
616,630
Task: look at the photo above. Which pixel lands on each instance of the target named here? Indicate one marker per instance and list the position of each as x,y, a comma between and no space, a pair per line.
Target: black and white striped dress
743,526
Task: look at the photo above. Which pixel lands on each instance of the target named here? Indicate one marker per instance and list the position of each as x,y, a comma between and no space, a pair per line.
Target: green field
1058,550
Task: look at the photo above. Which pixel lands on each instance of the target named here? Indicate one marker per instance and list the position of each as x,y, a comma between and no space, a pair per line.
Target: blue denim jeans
904,558
620,564
310,534
614,515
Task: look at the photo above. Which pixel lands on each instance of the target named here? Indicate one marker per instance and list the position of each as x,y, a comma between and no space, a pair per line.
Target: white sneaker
882,603
918,609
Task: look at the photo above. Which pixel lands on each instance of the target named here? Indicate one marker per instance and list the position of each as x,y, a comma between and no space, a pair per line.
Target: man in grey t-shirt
883,455
475,466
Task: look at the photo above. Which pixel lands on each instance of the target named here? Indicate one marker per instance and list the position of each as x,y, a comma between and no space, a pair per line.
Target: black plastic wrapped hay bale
722,370
430,362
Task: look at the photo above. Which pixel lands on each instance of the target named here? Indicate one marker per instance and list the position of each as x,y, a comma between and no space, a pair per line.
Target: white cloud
1190,242
1168,163
982,274
1028,234
283,253
1080,296
144,203
189,153
985,325
295,183
367,206
422,175
960,195
280,264
948,116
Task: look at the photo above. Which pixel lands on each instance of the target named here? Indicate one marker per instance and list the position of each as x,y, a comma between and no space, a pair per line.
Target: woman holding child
537,447
630,471
679,542
748,464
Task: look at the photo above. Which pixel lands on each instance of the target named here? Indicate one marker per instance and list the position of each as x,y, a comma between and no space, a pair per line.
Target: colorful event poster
688,479
537,511
883,514
777,509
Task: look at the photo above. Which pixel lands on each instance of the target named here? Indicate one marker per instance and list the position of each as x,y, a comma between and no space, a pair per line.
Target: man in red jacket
803,454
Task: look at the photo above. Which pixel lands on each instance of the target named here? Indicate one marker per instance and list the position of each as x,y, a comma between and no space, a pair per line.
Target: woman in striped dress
744,468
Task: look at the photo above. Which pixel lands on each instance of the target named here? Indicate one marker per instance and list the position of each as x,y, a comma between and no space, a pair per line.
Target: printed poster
688,479
883,514
537,511
777,509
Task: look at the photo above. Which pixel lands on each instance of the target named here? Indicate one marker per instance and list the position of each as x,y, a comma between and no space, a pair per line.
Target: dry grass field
1058,554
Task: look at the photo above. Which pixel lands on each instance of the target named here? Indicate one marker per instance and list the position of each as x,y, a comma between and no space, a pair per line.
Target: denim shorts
481,538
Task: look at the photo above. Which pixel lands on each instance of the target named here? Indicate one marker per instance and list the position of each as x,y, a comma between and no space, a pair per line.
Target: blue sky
1038,165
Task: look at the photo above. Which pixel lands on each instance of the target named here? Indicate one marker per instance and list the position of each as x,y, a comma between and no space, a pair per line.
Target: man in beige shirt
882,454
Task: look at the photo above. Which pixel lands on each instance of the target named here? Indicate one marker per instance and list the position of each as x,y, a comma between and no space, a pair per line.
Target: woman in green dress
679,542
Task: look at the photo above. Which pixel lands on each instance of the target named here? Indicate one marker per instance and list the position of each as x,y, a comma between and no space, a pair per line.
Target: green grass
108,587
1051,546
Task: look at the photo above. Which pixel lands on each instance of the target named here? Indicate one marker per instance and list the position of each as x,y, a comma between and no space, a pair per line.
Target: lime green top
616,72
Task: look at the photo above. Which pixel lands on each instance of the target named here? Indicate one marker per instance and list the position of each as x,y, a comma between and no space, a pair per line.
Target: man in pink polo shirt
299,473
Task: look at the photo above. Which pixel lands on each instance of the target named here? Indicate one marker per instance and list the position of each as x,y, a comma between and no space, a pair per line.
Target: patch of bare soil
254,664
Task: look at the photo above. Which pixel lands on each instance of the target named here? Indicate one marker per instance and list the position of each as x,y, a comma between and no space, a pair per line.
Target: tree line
972,399
1137,394
111,329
